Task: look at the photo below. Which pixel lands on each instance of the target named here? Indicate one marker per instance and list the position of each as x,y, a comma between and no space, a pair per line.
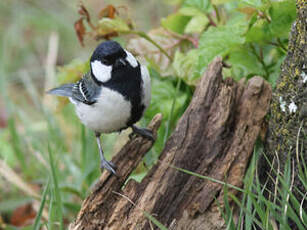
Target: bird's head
107,56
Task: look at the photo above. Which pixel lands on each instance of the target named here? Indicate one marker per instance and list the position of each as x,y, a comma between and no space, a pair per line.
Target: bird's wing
63,90
85,90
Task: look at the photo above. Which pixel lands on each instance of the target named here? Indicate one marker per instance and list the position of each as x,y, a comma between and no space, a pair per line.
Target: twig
169,47
211,20
264,15
260,60
282,45
217,13
194,41
279,46
145,36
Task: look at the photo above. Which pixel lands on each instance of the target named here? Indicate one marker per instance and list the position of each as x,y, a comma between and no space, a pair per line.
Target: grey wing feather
85,90
63,90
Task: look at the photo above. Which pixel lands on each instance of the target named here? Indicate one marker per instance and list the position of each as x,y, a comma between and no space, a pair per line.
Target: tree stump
214,137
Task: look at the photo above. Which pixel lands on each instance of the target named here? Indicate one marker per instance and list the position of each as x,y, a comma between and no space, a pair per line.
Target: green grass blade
16,144
168,123
228,209
56,193
248,184
36,225
207,178
247,212
293,216
155,221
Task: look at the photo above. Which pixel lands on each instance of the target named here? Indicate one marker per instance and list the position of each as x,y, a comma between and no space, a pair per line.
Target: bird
112,96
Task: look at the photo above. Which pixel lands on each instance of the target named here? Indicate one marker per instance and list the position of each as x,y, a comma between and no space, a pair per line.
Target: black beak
120,62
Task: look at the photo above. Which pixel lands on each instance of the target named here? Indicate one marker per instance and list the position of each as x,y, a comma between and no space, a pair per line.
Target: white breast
109,114
146,87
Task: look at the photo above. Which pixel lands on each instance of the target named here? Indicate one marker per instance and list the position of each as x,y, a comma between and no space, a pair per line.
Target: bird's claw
147,133
108,165
132,135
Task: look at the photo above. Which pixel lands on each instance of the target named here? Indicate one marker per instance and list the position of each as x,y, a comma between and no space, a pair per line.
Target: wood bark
214,137
288,127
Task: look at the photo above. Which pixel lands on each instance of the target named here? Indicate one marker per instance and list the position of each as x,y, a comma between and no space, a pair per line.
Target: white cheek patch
101,72
131,59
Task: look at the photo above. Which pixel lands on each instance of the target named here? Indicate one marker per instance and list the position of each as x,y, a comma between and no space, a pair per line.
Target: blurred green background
36,38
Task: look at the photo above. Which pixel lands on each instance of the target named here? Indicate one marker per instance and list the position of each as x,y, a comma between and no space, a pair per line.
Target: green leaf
190,11
244,62
173,2
162,97
218,41
111,25
259,32
203,5
36,225
185,64
219,2
223,37
176,22
255,3
274,75
283,14
197,24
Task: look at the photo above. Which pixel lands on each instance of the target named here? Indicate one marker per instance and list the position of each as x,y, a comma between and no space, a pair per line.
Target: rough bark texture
284,124
214,137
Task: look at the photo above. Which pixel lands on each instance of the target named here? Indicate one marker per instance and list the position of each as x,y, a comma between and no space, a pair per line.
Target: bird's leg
143,132
103,162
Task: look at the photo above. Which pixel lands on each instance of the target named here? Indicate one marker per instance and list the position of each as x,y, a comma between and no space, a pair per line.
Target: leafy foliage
251,35
218,41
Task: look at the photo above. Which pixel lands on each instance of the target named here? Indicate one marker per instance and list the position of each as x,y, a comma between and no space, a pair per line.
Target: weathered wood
214,137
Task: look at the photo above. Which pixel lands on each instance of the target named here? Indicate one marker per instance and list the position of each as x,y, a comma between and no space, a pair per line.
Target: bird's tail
63,90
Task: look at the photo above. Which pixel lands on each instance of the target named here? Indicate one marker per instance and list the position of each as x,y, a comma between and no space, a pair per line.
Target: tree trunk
215,137
288,110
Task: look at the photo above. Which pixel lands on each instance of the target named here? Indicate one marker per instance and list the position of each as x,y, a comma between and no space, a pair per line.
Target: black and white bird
112,96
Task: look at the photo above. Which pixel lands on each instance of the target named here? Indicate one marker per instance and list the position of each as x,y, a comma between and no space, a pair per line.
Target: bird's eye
105,62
